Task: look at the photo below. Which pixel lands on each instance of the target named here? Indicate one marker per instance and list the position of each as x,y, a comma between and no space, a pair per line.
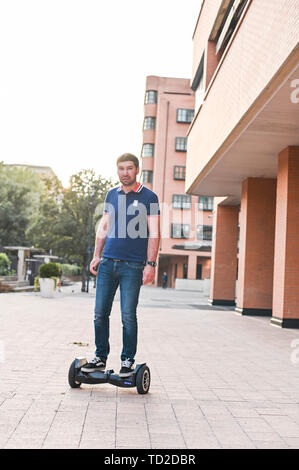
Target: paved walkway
219,380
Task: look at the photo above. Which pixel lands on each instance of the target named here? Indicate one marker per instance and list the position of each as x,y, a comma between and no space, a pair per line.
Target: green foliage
36,284
44,214
70,269
20,190
48,270
4,265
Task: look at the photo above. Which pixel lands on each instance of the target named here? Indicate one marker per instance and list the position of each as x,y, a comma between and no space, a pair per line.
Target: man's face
127,173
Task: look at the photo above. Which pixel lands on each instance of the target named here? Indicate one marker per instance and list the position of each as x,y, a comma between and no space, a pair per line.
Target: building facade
186,228
243,148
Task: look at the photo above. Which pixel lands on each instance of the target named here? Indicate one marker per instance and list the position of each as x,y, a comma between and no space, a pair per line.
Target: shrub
48,270
4,265
70,269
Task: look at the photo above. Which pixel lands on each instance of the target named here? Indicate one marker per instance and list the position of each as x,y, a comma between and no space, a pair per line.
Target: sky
72,77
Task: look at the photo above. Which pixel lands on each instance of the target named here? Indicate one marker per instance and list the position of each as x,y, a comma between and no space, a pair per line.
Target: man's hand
148,274
94,263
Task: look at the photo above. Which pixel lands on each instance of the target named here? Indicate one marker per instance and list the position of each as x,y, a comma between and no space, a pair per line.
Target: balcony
247,115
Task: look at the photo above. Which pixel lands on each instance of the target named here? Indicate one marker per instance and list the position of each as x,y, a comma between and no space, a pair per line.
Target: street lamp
90,248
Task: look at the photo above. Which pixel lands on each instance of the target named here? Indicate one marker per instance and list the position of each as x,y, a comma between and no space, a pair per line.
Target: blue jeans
128,276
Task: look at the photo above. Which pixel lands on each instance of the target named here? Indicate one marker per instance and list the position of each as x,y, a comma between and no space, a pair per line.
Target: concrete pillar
180,270
224,254
21,264
157,271
192,261
256,247
286,250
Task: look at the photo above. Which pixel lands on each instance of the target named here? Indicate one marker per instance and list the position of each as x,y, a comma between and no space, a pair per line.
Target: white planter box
200,285
46,287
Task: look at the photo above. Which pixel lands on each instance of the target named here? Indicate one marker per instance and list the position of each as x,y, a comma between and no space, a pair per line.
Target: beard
128,182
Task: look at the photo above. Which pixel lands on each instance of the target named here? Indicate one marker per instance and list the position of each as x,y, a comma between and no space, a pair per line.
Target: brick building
243,148
186,228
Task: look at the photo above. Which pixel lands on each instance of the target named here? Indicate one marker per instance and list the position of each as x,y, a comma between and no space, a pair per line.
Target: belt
124,260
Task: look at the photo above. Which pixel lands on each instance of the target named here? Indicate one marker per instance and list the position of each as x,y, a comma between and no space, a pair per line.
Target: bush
48,270
4,265
70,269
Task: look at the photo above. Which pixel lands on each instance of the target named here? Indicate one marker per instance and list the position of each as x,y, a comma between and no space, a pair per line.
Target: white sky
72,76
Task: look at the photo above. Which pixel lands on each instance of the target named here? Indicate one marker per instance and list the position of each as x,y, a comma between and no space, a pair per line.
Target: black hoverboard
140,378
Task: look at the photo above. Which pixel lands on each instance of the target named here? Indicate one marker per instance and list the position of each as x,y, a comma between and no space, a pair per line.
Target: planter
47,287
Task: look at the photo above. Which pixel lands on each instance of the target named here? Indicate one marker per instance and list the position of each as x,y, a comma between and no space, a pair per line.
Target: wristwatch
152,263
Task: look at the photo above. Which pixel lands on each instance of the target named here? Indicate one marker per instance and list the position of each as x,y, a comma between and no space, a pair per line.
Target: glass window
204,232
180,230
179,172
149,123
181,144
151,96
147,176
148,150
185,115
181,201
205,203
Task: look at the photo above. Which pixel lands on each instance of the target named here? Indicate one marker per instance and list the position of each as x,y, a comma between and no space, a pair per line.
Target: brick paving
219,380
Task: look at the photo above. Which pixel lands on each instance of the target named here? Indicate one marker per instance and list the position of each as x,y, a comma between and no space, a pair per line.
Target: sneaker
95,364
126,368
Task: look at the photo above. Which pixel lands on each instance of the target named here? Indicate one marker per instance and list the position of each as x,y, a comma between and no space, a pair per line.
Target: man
129,232
164,280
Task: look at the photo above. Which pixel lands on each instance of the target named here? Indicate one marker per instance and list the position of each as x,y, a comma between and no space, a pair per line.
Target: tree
43,229
20,190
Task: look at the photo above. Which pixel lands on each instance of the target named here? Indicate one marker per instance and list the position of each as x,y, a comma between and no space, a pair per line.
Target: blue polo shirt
127,238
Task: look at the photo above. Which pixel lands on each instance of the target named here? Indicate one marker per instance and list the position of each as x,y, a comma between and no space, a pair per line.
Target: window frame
177,173
204,237
148,93
181,199
179,147
188,111
181,230
207,199
152,120
148,173
152,146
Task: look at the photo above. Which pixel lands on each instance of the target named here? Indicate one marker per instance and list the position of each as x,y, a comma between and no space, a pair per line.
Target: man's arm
152,249
99,242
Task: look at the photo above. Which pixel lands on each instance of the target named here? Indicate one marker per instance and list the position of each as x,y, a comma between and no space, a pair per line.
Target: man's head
127,168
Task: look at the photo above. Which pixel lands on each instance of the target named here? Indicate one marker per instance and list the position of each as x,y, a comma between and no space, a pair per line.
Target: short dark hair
128,157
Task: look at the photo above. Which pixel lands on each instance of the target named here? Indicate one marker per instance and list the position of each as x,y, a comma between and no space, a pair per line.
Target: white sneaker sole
126,374
95,369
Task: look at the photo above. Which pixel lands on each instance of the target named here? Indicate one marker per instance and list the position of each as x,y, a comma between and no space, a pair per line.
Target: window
149,123
229,23
181,201
148,150
205,203
181,144
198,84
180,230
179,172
185,115
204,232
151,96
147,176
